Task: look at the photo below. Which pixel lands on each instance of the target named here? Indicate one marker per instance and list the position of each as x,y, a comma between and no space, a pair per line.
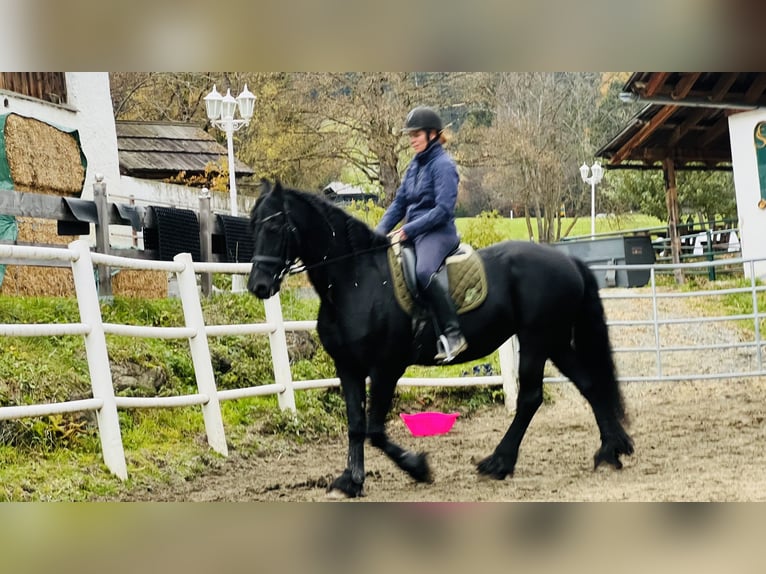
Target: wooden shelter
163,150
684,125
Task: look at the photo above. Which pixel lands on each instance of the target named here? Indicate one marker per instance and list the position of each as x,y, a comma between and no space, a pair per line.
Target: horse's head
273,240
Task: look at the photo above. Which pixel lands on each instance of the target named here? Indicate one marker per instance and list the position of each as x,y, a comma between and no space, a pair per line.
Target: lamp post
597,174
220,111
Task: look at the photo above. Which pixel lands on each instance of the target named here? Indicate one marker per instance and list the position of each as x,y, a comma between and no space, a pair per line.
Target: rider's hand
397,236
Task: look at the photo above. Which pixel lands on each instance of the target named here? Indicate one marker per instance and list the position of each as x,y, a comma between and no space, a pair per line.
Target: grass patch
505,228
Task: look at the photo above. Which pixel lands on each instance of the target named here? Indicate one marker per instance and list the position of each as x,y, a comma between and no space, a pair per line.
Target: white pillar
279,355
752,219
200,352
98,360
509,370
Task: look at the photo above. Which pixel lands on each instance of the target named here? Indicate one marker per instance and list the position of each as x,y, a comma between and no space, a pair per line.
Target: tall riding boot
452,340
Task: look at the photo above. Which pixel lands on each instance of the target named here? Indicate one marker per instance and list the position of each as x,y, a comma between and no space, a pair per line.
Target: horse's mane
357,234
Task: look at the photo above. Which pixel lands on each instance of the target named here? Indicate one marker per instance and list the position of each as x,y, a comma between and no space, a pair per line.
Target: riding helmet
422,118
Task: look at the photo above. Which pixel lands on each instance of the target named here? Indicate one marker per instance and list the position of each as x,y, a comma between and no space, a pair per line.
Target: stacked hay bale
45,160
140,284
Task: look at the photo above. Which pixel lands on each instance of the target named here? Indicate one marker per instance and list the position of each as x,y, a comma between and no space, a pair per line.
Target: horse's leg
351,482
614,439
381,395
531,366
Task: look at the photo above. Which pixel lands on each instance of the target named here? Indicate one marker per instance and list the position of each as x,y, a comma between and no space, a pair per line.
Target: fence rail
103,214
106,403
659,345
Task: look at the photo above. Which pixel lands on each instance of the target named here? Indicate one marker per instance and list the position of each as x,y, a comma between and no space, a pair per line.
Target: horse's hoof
494,467
344,486
608,456
611,449
335,494
417,467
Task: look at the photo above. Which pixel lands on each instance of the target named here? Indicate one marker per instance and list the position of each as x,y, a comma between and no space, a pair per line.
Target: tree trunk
671,200
389,177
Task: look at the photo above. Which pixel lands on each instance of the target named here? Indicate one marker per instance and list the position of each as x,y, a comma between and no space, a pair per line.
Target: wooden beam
643,133
684,85
715,131
683,155
723,85
655,83
688,124
756,89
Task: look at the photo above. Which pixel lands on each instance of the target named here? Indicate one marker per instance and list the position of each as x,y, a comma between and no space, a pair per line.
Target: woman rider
426,202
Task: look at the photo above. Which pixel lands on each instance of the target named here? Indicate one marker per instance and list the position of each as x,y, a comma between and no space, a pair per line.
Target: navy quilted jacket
426,199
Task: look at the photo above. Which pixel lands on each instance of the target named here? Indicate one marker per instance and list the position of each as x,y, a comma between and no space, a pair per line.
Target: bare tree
360,116
538,137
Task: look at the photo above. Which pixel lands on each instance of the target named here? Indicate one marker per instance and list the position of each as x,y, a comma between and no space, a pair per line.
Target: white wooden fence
91,326
106,404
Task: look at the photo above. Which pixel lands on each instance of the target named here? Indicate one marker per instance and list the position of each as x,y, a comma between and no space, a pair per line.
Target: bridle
286,262
280,264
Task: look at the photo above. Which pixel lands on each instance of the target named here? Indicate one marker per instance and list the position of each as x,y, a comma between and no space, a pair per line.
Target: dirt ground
695,441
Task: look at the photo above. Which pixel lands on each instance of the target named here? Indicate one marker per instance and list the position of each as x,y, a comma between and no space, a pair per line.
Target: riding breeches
431,249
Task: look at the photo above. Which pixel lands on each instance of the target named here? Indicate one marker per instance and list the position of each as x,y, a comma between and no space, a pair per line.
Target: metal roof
160,150
685,119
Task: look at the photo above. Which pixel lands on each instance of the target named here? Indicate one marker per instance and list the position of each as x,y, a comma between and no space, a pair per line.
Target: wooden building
686,124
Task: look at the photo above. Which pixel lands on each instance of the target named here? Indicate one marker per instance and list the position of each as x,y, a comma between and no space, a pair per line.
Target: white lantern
213,104
228,106
584,172
246,102
598,172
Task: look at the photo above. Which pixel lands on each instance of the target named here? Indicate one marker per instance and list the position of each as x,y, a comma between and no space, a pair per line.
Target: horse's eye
272,226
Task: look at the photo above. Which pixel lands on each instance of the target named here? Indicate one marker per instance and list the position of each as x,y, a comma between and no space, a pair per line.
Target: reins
294,270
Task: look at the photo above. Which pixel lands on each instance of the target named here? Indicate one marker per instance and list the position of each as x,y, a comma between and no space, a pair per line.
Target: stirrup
444,353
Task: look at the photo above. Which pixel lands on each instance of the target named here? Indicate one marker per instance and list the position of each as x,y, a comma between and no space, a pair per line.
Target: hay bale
58,281
43,159
33,280
140,284
38,281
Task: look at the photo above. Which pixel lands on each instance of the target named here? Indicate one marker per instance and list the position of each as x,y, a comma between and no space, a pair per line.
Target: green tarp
8,231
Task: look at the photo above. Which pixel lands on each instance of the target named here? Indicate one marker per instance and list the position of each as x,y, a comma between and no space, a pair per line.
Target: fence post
102,235
279,356
710,255
205,239
509,370
133,232
98,360
200,352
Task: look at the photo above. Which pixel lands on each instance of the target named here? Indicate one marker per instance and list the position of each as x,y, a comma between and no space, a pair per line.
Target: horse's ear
265,186
276,190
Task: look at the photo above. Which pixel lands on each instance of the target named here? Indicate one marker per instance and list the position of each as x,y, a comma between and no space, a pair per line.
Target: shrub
482,230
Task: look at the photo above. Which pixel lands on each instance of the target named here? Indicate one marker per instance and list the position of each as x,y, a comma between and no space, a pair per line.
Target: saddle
465,272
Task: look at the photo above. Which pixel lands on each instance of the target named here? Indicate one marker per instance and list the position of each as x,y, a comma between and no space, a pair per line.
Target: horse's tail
591,341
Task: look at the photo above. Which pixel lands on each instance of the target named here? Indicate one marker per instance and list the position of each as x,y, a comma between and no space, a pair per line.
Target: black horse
548,299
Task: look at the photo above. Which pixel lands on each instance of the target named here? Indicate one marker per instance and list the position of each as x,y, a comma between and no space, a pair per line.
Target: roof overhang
685,119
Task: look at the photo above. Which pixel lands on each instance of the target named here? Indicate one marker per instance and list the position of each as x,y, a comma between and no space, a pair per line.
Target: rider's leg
437,293
430,253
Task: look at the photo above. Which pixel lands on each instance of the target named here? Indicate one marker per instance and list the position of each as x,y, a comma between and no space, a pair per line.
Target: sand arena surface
694,440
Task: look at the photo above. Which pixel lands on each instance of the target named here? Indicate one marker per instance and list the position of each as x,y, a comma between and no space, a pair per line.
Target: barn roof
160,150
685,119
